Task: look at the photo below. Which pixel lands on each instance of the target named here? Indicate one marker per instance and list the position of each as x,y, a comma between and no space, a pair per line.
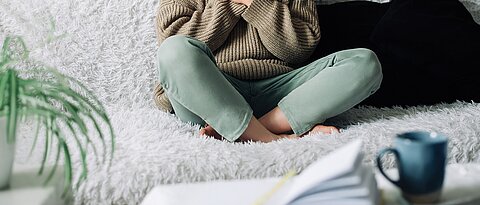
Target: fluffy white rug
110,46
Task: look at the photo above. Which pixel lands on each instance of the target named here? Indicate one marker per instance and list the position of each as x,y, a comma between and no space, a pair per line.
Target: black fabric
347,25
429,49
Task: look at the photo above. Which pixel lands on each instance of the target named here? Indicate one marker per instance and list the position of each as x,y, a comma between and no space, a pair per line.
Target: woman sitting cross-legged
236,65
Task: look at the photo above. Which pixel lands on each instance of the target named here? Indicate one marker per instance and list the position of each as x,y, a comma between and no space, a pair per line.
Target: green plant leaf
85,104
72,110
37,130
47,138
75,113
12,118
3,89
25,52
5,55
83,153
53,103
83,156
68,167
55,165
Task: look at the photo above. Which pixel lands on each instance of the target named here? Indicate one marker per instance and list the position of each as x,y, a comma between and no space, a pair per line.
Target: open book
336,179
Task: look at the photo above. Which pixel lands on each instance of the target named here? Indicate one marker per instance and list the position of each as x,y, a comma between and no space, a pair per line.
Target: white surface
110,46
31,196
461,186
26,188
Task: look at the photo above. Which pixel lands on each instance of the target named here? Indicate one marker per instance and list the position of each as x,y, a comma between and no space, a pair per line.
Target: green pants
200,93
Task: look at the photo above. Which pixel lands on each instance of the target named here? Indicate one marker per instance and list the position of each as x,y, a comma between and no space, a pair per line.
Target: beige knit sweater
269,38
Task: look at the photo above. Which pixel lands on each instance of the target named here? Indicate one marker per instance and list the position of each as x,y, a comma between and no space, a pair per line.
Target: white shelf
461,186
26,187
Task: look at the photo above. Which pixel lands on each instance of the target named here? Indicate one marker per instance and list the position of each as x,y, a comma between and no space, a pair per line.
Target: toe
324,129
202,132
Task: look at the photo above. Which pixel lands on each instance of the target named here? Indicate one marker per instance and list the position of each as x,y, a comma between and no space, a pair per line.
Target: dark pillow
430,53
429,49
347,25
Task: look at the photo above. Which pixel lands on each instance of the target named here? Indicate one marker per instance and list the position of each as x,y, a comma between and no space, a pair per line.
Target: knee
171,50
174,44
369,62
369,68
174,51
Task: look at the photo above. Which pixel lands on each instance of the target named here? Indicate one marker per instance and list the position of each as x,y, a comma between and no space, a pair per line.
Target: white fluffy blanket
110,46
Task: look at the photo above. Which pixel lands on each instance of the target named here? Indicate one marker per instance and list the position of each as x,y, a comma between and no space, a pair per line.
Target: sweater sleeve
208,22
289,29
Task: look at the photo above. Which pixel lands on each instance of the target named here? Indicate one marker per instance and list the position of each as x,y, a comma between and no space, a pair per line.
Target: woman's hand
244,2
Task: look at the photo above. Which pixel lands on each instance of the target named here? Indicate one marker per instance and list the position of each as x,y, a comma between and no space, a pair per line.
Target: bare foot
316,129
323,129
209,131
288,136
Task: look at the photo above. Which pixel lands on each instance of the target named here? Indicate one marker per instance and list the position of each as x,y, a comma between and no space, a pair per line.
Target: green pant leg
268,92
188,73
324,88
186,115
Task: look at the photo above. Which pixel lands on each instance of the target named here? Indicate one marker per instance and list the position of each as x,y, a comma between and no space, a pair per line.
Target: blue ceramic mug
421,158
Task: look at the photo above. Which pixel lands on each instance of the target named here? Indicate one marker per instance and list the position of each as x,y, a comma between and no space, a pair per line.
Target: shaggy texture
110,46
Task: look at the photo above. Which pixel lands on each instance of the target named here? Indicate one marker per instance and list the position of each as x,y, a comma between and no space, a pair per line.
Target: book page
362,190
338,163
234,192
351,179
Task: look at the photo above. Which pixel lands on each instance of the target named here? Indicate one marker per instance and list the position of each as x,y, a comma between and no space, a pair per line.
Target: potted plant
65,112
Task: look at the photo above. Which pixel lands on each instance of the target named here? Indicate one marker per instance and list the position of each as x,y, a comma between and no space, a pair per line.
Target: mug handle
379,162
